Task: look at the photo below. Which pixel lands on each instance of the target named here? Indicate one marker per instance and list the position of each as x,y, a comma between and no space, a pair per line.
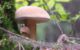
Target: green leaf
63,0
51,3
51,16
41,2
20,3
73,41
35,4
25,3
60,9
18,0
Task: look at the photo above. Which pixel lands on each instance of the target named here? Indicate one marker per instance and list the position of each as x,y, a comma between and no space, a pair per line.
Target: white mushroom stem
32,26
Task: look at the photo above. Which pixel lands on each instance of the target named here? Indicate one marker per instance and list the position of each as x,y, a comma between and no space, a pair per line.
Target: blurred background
50,32
67,13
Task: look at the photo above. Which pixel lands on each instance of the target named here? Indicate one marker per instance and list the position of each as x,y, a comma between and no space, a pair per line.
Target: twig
22,46
17,38
14,47
19,46
63,38
73,38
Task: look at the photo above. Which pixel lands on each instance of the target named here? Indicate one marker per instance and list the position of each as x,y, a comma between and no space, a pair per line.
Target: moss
7,11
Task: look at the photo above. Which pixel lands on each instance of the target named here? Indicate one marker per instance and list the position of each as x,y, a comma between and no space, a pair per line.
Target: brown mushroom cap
25,29
32,12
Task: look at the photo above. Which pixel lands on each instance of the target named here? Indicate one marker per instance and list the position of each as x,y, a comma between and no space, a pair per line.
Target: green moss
7,12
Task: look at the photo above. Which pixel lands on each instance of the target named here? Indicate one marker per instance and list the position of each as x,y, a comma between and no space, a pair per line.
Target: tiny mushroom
25,31
31,15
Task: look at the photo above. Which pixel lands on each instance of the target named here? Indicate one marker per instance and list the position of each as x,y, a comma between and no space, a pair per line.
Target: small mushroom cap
25,29
32,12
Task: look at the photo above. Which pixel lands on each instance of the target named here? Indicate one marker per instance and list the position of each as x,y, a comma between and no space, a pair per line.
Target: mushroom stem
32,26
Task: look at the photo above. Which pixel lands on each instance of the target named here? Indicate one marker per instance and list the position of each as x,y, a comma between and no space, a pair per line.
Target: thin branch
17,38
25,41
14,47
73,38
19,46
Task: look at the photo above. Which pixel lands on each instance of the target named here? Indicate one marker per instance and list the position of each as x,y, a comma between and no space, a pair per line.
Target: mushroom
25,31
31,15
